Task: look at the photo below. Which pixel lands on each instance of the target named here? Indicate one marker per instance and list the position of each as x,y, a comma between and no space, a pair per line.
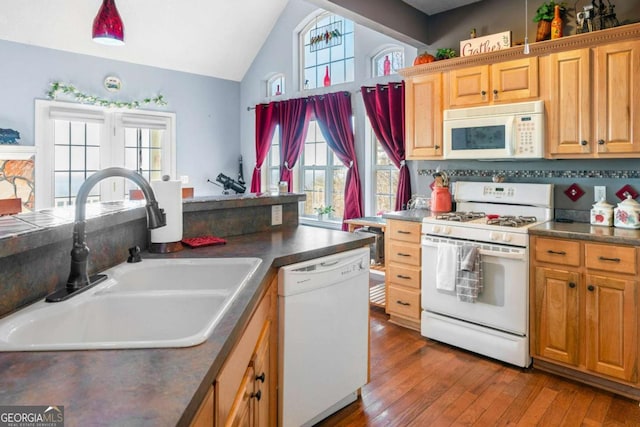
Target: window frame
387,50
311,23
375,168
111,143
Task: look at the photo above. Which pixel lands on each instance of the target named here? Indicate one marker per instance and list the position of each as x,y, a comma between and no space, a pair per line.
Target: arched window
327,52
275,85
388,61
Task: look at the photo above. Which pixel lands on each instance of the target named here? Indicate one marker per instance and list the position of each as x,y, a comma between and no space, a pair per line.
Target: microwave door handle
512,130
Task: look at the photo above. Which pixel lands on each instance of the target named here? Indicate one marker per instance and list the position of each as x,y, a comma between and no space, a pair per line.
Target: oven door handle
485,252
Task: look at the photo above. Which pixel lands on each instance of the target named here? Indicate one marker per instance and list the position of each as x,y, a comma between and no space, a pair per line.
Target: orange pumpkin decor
423,58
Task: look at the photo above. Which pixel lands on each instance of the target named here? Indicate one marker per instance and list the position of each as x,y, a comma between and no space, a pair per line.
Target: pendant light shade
107,25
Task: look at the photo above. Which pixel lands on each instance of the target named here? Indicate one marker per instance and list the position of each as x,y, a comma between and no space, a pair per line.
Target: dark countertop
415,215
160,387
588,232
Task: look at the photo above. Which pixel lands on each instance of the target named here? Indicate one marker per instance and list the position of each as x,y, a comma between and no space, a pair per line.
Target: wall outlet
184,179
276,214
599,193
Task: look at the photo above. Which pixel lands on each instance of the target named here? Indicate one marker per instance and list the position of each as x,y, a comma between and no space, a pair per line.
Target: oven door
503,302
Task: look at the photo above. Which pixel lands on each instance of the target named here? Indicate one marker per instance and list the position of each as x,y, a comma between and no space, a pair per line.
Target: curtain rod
345,92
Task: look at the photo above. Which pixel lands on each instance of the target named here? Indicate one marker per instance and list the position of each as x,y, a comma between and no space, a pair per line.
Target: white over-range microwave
496,132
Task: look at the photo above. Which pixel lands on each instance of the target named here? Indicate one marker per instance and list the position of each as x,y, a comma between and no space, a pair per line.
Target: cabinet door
469,86
555,315
617,90
241,413
514,80
423,117
263,377
569,103
611,329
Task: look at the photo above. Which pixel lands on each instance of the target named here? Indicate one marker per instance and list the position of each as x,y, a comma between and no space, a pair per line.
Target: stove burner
512,221
460,216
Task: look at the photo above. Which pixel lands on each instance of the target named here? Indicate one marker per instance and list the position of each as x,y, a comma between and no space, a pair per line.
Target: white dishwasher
323,308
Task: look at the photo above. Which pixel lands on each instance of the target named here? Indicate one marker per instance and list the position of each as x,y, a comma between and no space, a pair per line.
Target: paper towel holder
165,247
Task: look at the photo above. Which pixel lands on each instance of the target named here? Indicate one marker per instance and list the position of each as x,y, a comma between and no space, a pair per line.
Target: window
275,85
322,176
327,58
388,61
385,179
273,161
74,141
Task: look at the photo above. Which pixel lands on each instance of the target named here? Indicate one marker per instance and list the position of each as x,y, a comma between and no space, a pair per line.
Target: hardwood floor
419,382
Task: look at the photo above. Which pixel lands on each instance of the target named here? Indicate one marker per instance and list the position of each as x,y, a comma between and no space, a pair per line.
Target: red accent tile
574,192
627,189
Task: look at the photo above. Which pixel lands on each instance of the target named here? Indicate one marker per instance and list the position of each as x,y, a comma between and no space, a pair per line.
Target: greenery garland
57,87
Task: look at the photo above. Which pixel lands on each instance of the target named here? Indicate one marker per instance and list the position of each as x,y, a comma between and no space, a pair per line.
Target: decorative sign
485,44
112,83
326,36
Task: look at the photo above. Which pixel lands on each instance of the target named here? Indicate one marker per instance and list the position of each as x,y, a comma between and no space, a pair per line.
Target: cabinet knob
260,377
591,288
572,285
257,395
601,142
483,93
583,142
437,147
495,93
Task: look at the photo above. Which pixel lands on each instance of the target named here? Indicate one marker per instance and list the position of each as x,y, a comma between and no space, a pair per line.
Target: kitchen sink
187,274
152,304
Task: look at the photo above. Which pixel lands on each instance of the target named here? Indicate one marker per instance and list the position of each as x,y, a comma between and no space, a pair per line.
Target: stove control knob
447,230
506,237
493,235
436,229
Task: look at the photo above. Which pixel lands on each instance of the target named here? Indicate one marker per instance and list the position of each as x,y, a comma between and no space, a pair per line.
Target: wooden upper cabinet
592,102
507,81
423,117
617,91
569,103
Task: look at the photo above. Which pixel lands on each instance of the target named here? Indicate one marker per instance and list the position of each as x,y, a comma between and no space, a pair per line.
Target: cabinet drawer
404,302
404,253
405,231
404,275
616,259
558,252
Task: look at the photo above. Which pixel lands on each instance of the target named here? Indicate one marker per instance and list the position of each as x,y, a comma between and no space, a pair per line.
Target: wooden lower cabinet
245,390
403,271
584,316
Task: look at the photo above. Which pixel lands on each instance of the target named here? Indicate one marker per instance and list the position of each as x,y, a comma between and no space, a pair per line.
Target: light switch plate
599,193
184,179
276,215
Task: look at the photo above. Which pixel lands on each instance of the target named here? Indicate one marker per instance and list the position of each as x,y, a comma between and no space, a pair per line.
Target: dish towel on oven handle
446,267
469,274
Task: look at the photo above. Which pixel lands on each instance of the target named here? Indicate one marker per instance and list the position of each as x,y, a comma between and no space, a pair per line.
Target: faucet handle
134,254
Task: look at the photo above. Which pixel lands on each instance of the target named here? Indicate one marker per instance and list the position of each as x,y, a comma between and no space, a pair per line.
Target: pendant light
107,25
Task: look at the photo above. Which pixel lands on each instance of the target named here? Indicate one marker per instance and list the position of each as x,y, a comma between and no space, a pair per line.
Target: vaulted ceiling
218,38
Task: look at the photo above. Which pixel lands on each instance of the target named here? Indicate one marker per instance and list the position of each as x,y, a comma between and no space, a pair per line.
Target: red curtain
385,107
294,119
266,121
334,116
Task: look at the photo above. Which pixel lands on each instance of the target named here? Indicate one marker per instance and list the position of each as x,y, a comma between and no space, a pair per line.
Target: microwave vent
533,107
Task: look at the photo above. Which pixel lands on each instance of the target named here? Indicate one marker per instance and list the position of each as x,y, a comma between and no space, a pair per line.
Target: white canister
602,214
627,214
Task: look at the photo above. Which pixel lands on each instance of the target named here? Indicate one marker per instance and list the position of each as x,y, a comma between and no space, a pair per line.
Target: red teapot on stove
440,196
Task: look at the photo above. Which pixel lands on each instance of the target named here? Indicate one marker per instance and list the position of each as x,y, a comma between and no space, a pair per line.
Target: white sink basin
187,274
154,303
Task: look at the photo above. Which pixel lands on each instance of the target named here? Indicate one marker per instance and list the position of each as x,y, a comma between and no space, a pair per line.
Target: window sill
314,222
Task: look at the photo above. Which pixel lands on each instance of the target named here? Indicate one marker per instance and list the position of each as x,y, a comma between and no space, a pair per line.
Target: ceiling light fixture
107,25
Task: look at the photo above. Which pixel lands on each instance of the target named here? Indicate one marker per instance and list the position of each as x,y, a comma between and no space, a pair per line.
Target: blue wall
208,126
